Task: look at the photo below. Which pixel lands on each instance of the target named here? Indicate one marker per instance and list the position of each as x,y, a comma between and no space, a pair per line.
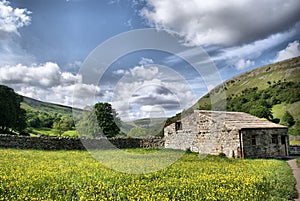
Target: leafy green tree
261,112
87,124
33,120
295,130
62,124
12,116
100,120
107,119
287,119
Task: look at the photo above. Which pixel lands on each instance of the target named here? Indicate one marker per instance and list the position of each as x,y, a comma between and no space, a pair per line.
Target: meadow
75,175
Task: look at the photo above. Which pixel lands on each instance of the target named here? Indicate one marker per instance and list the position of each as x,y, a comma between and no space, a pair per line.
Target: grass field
75,175
294,142
51,132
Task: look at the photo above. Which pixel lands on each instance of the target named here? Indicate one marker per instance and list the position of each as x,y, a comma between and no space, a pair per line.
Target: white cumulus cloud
292,50
243,63
150,90
12,18
141,72
47,82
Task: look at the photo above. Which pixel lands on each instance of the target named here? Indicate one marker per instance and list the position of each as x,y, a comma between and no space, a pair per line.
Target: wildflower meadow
75,175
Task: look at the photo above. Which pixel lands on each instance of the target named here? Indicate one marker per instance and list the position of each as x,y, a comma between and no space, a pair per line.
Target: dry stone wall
294,149
56,143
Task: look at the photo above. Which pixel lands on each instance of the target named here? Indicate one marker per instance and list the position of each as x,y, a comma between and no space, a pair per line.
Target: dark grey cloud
231,22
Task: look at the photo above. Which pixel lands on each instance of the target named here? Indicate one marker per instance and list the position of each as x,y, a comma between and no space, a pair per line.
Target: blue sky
45,44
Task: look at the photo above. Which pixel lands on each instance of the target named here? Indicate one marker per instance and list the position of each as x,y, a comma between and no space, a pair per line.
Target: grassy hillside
261,78
48,119
288,70
35,105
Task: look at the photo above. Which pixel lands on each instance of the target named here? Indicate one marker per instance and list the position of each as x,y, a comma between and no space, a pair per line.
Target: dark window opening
274,139
178,126
283,141
253,140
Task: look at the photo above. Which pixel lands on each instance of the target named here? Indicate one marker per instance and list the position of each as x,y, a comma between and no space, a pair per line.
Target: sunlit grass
52,132
295,142
76,175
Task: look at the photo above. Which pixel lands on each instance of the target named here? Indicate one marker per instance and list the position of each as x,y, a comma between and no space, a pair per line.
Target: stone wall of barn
222,141
264,145
202,134
206,135
184,138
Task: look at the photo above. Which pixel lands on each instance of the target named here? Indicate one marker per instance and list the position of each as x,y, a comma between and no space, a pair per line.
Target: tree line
14,119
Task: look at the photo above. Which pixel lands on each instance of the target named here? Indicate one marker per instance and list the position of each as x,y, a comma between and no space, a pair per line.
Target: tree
62,124
261,112
295,130
12,116
107,119
87,124
100,120
288,119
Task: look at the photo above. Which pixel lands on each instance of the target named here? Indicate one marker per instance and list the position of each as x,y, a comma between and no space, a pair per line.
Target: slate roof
239,120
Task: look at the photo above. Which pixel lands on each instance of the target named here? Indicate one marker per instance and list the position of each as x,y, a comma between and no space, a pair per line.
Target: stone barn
236,134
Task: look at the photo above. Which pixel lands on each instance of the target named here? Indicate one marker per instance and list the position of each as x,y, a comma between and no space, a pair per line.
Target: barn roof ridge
240,120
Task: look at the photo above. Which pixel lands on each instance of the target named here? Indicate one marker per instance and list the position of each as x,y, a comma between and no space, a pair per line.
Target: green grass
279,110
298,162
51,132
43,131
286,70
295,142
70,133
35,105
76,175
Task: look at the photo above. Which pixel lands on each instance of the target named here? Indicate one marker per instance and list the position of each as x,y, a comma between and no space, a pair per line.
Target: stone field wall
56,143
294,149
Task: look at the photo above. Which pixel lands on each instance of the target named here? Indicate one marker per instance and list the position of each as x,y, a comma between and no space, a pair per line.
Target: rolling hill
277,80
288,70
36,105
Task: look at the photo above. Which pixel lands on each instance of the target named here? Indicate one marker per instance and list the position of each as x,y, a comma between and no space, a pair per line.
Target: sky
72,52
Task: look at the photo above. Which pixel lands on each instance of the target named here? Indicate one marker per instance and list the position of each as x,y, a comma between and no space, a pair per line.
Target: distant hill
275,82
288,70
36,105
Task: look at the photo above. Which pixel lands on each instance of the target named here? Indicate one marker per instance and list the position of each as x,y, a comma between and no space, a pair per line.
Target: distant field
75,175
294,142
51,132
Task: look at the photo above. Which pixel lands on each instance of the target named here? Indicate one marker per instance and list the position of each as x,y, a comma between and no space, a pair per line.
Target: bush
288,119
222,155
